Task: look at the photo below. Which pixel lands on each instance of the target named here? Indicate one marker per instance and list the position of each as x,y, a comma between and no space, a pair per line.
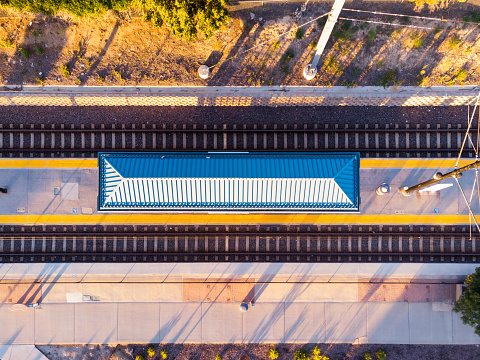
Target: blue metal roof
222,181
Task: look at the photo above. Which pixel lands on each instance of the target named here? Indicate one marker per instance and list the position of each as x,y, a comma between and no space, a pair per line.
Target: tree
185,18
469,302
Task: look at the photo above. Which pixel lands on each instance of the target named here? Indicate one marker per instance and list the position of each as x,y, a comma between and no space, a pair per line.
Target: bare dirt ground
257,352
121,49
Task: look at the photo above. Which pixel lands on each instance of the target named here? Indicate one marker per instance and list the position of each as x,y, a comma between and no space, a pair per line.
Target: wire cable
390,24
267,41
412,16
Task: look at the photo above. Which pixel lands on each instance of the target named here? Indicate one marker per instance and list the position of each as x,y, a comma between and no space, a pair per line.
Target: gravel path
234,115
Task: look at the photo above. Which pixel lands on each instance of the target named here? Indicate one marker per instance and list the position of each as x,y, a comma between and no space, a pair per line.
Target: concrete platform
65,191
317,322
292,303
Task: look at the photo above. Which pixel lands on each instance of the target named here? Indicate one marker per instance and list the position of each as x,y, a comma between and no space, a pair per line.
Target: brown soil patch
20,293
218,291
121,49
406,292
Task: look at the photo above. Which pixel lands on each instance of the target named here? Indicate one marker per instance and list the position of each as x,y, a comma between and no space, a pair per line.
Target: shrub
218,357
24,53
472,17
367,356
164,354
389,78
39,50
289,54
461,75
7,43
139,357
321,22
302,354
418,39
454,42
299,33
36,33
469,302
372,34
65,71
273,354
381,354
151,351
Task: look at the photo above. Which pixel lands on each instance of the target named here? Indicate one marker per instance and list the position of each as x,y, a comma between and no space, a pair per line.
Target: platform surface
64,191
295,303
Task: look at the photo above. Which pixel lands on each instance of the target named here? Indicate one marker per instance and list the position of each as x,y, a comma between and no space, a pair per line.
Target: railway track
370,141
246,244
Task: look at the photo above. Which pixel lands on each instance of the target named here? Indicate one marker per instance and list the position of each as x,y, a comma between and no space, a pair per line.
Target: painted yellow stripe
234,219
48,163
412,163
364,163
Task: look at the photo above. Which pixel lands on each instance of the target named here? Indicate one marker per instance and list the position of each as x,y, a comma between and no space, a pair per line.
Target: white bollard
204,72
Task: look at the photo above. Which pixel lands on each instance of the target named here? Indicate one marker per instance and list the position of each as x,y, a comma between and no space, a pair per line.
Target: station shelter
229,181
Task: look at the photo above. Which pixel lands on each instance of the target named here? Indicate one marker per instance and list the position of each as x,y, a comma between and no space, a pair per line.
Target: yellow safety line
48,163
364,163
234,219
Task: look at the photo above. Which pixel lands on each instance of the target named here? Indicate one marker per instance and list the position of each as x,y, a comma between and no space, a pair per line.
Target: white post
311,69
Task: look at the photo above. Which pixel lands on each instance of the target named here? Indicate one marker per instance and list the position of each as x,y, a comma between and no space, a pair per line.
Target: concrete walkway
20,352
200,303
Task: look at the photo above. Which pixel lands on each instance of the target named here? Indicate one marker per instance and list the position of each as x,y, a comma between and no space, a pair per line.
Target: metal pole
439,177
311,69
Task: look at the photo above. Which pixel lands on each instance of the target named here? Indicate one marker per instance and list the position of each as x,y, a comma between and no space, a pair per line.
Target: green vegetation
454,42
273,354
380,354
302,354
164,354
151,351
472,17
367,356
184,18
24,53
344,32
389,78
317,354
321,22
7,43
372,34
36,33
218,357
363,25
349,84
405,20
65,71
289,55
39,50
299,33
139,357
469,303
418,39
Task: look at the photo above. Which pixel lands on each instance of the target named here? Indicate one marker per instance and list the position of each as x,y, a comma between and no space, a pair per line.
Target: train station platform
65,191
96,303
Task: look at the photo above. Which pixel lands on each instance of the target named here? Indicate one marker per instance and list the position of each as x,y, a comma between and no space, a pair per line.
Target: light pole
438,177
310,70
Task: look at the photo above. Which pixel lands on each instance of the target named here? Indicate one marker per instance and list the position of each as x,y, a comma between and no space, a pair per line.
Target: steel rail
273,234
201,131
353,149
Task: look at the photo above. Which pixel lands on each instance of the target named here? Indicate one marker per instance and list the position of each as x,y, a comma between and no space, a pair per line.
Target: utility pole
311,69
439,177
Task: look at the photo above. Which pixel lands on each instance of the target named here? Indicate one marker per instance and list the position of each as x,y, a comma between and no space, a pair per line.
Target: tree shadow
228,67
37,52
100,57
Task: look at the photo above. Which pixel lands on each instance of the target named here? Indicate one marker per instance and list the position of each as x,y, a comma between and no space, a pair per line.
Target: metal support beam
311,69
439,177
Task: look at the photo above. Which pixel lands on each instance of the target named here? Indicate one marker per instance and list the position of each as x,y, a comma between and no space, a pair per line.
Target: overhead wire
386,23
273,38
412,16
